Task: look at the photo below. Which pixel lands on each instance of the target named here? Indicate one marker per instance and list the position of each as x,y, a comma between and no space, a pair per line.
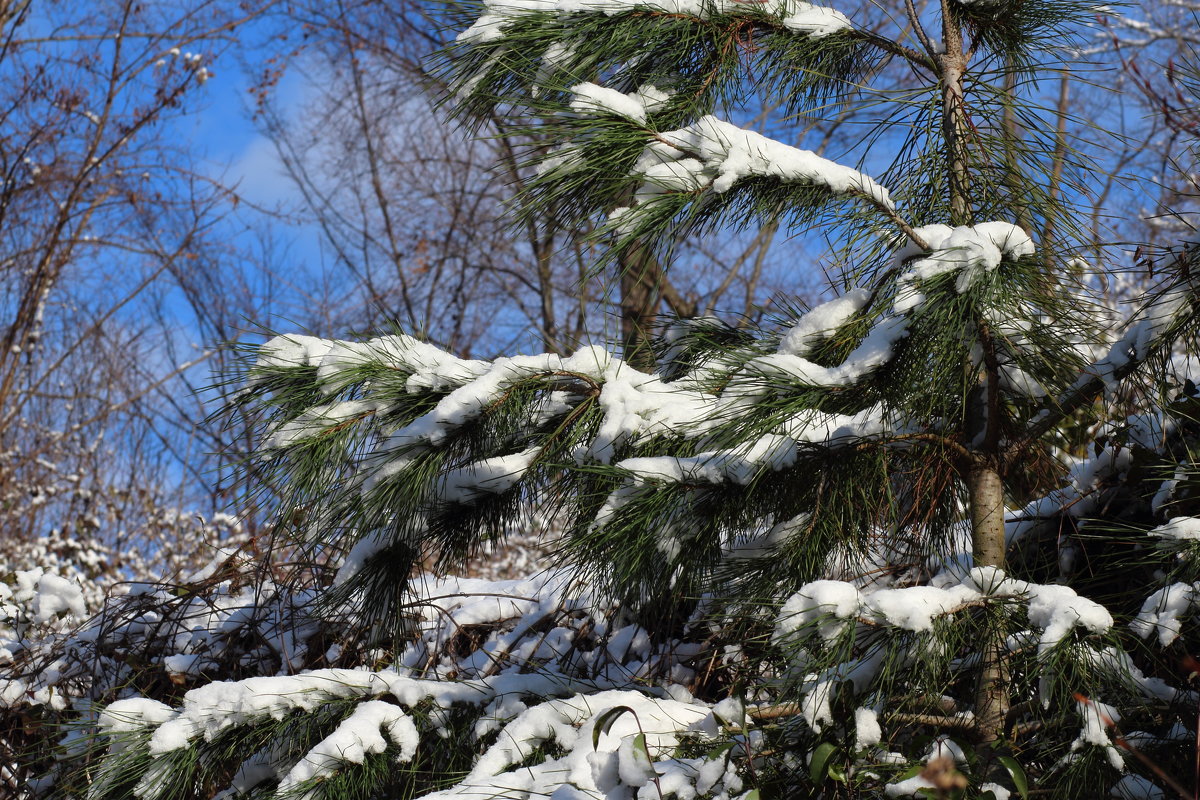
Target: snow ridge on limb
427,366
711,154
685,176
793,15
368,730
1162,612
1054,624
968,252
591,98
545,671
1052,609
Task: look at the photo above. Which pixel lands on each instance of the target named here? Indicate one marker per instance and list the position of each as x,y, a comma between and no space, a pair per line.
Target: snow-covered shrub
57,658
170,543
513,683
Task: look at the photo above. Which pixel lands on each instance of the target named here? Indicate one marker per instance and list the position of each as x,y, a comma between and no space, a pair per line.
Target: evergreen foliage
867,536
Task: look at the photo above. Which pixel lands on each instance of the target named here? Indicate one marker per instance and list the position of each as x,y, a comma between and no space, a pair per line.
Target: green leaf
719,751
1017,774
605,721
642,751
751,795
819,767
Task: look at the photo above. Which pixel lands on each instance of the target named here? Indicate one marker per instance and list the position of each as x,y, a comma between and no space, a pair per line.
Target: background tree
119,276
1154,48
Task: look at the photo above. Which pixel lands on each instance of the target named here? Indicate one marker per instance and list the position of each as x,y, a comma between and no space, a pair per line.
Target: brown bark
986,497
544,253
639,301
985,490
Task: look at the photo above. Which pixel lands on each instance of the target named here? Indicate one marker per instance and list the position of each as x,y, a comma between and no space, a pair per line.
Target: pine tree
872,508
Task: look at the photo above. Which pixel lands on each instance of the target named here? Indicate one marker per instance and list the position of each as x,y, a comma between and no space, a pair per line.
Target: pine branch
1150,333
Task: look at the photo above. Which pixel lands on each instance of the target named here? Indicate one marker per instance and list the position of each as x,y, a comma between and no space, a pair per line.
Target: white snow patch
831,603
132,714
867,731
359,735
590,98
1162,612
822,321
915,607
969,251
1178,531
1097,719
489,476
57,595
711,153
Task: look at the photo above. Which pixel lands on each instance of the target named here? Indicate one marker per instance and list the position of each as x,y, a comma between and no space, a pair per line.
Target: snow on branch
590,98
1050,622
1149,333
1162,612
550,669
793,15
827,606
360,734
630,407
686,175
429,367
711,154
969,252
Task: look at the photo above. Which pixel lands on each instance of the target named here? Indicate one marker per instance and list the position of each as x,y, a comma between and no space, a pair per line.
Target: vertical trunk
639,301
1012,164
952,64
952,133
544,252
1056,170
985,487
986,498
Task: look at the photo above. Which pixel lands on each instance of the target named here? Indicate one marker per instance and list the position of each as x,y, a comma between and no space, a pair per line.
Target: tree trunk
639,302
986,493
986,500
985,488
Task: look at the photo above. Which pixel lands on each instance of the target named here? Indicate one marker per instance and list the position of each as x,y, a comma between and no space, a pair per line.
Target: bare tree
104,228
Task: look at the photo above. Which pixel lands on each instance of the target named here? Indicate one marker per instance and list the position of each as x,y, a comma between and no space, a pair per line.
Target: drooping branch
1148,334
